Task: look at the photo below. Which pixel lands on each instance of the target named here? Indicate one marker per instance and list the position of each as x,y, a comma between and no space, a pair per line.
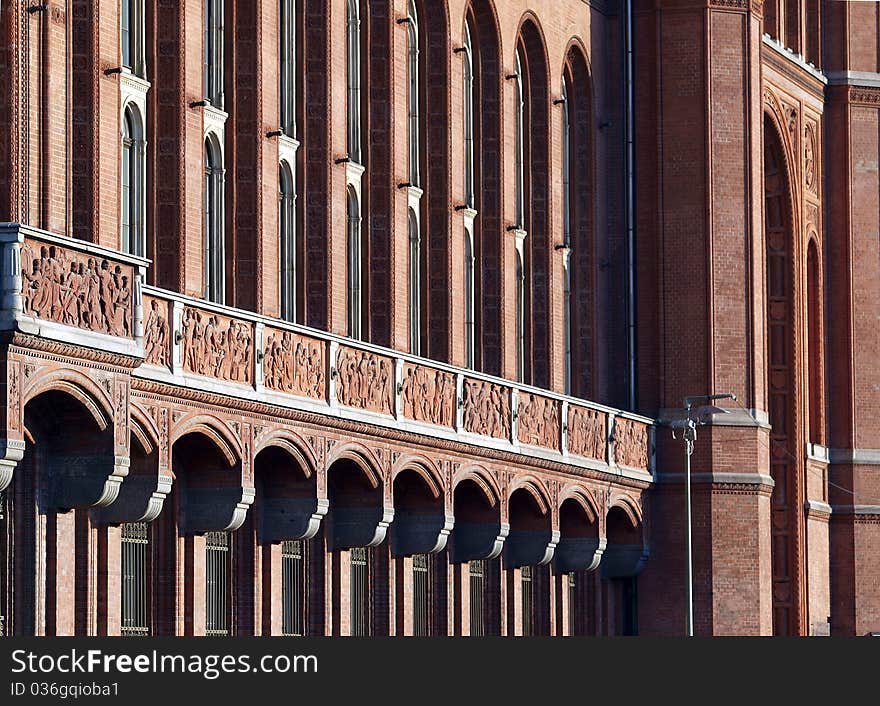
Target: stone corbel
11,453
213,509
359,526
624,560
578,554
478,540
421,532
531,547
291,518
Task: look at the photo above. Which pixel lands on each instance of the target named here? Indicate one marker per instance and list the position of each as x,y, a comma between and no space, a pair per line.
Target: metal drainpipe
629,200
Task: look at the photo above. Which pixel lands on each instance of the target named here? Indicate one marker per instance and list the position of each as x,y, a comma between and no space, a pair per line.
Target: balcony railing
74,291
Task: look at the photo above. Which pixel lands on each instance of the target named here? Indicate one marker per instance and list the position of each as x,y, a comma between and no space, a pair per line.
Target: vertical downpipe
629,200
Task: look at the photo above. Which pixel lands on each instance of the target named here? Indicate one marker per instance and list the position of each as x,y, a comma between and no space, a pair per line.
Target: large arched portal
787,498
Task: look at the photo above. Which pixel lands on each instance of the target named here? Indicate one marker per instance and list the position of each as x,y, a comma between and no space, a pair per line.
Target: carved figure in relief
216,347
538,421
429,395
486,409
77,291
364,381
586,432
294,364
809,159
156,336
630,444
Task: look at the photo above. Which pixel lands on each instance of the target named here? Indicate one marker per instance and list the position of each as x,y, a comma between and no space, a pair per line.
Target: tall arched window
468,117
413,92
132,168
353,74
519,143
287,240
287,67
214,264
469,337
214,52
354,264
566,234
131,36
415,285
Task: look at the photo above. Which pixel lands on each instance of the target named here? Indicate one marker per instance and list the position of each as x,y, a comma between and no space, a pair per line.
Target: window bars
477,576
135,548
293,558
528,597
217,583
421,594
358,590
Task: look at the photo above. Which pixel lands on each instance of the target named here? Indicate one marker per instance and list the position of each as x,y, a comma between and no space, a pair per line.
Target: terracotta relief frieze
77,289
364,380
587,432
486,408
811,180
157,333
217,346
630,443
294,364
538,420
428,395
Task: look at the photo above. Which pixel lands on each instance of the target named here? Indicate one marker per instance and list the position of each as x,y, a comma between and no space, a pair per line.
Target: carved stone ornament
630,443
77,289
217,346
365,380
428,395
538,421
587,432
157,339
810,158
294,364
486,408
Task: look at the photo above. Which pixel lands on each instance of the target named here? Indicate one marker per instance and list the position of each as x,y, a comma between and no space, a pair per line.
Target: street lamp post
690,424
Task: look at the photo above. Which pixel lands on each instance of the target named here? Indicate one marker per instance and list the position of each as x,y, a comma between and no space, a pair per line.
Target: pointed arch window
468,115
566,233
520,317
214,227
413,92
353,80
519,143
214,52
287,240
133,176
287,67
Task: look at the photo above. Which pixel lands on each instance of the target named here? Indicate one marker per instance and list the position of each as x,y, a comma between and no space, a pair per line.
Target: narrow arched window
287,240
519,144
520,317
468,118
214,262
413,92
132,168
566,233
469,296
353,73
131,36
415,285
354,264
213,77
287,67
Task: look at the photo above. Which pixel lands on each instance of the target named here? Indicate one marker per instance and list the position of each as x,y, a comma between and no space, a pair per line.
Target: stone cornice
862,457
165,393
794,67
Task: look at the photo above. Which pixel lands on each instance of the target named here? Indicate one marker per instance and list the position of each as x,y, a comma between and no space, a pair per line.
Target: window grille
421,594
217,583
573,604
527,601
477,576
358,592
293,558
135,547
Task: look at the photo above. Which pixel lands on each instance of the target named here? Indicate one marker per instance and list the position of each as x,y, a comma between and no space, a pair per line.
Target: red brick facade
175,466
